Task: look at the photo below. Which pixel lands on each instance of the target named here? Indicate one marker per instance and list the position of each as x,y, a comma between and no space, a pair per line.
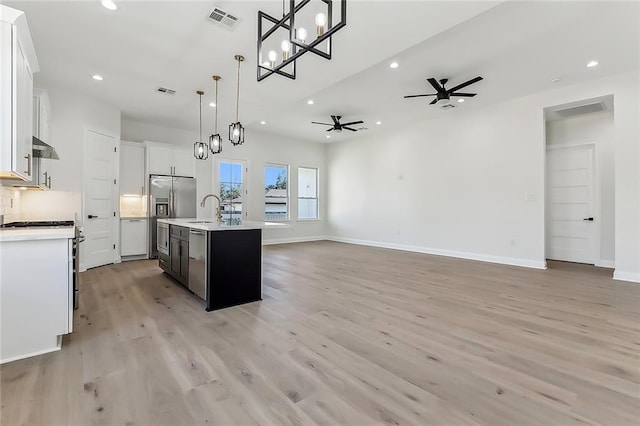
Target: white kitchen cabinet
183,163
17,64
133,237
131,168
167,160
36,303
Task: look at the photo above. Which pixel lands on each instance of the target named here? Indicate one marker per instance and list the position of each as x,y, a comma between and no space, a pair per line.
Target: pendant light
236,130
215,140
200,149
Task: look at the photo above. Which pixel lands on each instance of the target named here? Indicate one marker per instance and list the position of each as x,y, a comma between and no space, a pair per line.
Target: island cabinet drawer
179,232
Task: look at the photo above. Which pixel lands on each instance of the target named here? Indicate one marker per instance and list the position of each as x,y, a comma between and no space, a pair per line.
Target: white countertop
28,234
213,225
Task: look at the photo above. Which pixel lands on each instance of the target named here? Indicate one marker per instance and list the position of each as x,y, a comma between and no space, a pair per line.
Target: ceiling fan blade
349,128
433,101
353,122
464,95
435,84
465,84
419,96
332,128
326,124
336,119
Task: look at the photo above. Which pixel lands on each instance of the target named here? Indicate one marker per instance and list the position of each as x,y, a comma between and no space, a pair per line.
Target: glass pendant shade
200,149
215,144
236,133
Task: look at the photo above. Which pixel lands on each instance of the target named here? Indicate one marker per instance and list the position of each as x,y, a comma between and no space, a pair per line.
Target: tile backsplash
9,202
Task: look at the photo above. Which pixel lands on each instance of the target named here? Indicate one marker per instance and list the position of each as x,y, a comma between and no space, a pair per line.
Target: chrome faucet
204,201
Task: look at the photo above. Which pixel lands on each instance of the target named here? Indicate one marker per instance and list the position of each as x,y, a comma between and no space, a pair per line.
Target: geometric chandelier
284,40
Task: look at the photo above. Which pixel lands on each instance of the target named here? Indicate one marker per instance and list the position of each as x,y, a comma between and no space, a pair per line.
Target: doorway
579,182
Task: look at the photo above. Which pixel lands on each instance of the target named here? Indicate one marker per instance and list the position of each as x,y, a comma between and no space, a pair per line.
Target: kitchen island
221,264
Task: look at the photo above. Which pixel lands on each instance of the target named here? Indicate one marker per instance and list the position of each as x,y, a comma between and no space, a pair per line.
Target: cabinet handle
45,178
28,158
142,190
134,220
49,182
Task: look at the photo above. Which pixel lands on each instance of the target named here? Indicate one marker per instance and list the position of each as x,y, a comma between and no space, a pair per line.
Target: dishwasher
198,274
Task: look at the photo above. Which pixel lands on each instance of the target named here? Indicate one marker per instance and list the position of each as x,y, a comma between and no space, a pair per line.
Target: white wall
473,180
260,148
71,115
598,128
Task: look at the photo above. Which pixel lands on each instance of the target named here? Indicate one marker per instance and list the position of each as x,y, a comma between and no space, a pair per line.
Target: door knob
92,216
590,219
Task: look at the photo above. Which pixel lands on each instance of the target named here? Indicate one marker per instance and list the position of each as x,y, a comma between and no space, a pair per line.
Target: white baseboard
527,263
633,277
272,241
606,263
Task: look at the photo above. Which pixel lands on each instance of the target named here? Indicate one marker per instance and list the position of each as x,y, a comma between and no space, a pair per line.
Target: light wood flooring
345,335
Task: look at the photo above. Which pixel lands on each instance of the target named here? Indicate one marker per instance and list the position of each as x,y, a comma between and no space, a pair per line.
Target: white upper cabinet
168,160
183,163
17,64
131,168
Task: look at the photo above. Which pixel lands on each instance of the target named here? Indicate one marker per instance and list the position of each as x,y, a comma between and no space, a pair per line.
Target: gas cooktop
39,224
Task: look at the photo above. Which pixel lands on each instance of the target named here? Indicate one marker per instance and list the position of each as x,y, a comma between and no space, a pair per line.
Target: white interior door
99,200
571,224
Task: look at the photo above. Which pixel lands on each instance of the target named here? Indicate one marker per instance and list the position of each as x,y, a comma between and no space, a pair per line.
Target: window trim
264,200
245,180
317,198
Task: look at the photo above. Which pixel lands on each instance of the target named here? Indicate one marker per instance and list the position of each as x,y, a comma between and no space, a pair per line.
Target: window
276,193
307,193
231,180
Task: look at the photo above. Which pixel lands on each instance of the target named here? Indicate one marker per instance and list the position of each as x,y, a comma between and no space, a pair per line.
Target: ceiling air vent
165,91
582,109
224,19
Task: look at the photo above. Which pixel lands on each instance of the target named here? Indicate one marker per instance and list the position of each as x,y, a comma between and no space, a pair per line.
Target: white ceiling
518,47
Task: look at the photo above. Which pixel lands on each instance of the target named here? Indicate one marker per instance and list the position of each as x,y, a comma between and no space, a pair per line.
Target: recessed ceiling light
109,4
393,65
212,104
310,102
556,80
378,122
328,136
460,100
592,64
97,77
263,122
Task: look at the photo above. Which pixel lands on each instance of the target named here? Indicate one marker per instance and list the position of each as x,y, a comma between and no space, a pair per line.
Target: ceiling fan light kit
443,95
295,44
200,149
337,126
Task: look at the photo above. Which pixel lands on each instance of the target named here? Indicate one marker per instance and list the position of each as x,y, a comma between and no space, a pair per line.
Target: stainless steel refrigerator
169,197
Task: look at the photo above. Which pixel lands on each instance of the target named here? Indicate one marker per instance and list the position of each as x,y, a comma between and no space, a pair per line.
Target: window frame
288,198
217,181
317,197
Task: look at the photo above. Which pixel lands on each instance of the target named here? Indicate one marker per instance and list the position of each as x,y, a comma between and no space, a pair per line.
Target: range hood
43,150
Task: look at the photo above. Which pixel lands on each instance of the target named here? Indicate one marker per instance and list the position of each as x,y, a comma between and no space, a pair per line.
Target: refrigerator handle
171,200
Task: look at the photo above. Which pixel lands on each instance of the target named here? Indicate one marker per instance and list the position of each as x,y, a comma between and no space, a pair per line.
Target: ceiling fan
442,94
337,126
